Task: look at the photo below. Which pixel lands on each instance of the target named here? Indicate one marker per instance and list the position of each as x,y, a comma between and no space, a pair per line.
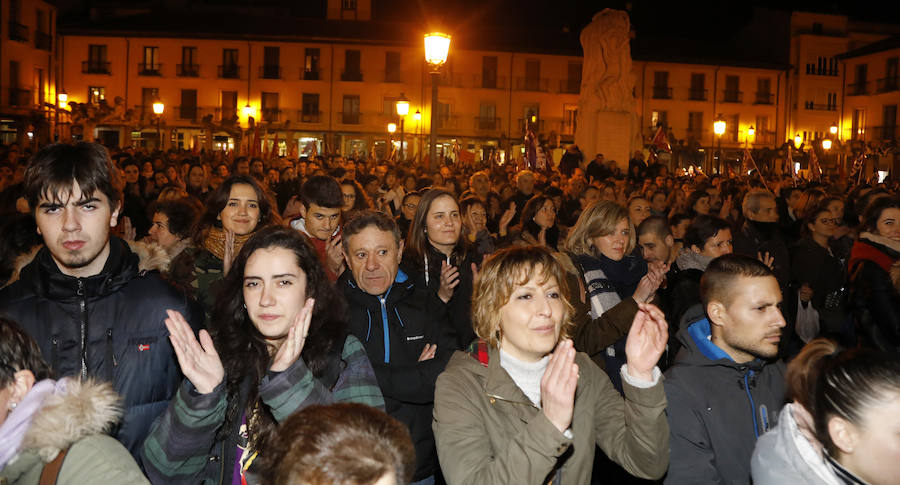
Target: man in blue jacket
91,303
404,328
724,390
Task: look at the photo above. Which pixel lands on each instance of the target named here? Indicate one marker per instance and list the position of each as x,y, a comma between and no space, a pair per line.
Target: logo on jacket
143,347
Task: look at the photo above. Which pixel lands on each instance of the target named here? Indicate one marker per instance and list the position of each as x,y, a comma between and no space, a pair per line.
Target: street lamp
437,47
392,128
833,129
402,111
63,98
719,130
418,117
798,140
158,108
826,144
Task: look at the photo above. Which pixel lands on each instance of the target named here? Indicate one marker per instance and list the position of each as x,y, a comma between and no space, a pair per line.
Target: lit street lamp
437,47
392,128
833,129
798,140
158,108
63,99
719,130
418,117
826,144
402,111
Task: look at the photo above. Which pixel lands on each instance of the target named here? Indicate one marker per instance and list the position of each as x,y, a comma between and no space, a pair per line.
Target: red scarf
864,251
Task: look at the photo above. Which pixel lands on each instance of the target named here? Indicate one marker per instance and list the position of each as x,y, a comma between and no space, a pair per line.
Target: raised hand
506,218
646,341
558,386
199,361
766,259
449,280
805,293
334,254
128,230
229,252
428,352
292,209
292,345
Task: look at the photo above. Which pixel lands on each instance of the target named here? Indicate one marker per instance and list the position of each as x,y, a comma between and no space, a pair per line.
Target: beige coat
488,432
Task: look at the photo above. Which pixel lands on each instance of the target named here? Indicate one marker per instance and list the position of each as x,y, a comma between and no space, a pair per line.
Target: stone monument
607,120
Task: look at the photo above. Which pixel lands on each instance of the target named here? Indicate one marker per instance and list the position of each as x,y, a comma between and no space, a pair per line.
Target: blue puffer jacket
109,326
717,410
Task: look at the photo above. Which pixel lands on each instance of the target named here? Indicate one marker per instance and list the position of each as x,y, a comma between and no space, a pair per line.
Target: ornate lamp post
719,129
402,111
158,108
418,117
437,47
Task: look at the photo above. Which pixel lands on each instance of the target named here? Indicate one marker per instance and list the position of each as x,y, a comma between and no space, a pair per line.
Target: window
350,114
487,116
352,70
489,72
392,67
229,68
17,30
389,107
148,97
890,82
570,117
732,92
150,66
658,118
271,68
42,38
763,91
270,110
573,81
96,94
661,88
532,75
310,113
188,66
96,63
695,124
762,130
832,102
889,122
732,128
443,115
698,87
348,4
311,64
188,109
229,111
858,124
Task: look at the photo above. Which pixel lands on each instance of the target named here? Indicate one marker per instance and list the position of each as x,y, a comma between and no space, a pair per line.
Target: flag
530,149
661,140
748,162
814,168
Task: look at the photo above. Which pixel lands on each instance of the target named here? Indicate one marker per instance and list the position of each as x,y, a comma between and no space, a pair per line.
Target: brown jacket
488,432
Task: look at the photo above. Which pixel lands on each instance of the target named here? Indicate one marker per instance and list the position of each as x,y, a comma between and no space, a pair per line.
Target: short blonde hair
598,219
498,278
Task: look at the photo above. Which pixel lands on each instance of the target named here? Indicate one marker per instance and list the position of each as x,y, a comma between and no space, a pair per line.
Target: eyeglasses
411,206
833,222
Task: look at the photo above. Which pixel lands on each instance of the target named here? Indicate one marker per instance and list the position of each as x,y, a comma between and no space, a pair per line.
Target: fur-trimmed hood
151,257
688,259
84,409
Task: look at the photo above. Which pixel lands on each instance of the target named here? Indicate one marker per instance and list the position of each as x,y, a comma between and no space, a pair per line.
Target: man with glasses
408,211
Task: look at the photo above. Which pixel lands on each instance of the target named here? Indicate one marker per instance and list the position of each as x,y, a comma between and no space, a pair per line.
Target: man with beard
725,388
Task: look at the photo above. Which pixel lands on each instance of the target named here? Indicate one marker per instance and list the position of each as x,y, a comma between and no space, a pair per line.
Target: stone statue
607,115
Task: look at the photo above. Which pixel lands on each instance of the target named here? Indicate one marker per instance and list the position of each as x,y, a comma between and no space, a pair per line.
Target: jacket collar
401,286
700,350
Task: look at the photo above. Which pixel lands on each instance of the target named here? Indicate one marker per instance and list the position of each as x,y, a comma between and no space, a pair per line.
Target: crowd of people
181,317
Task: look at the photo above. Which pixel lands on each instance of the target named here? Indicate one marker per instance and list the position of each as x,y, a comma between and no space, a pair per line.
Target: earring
13,405
245,306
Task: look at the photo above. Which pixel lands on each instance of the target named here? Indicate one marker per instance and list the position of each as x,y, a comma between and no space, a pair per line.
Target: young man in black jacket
86,297
404,328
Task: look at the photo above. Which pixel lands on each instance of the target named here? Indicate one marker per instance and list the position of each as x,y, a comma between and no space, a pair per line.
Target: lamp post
392,128
719,130
402,111
437,47
798,140
418,117
158,108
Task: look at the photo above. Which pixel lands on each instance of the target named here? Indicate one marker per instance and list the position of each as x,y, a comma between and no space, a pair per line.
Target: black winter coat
394,329
109,326
874,300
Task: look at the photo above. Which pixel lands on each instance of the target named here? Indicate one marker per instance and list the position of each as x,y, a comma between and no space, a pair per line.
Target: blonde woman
521,406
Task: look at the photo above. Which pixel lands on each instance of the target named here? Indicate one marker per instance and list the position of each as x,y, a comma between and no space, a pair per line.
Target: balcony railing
352,76
448,80
494,82
888,84
732,96
95,67
272,115
886,132
819,70
763,138
662,92
532,84
697,134
227,114
229,71
43,40
392,76
309,116
350,118
187,112
18,32
309,75
487,123
696,94
448,122
187,70
859,88
149,69
764,98
270,72
537,126
809,105
570,86
20,97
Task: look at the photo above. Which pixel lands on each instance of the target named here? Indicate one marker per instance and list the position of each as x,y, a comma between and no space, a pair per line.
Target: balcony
662,92
187,70
350,118
270,72
309,116
487,123
18,32
149,69
696,134
697,94
732,96
448,80
532,84
489,82
187,112
352,76
821,70
391,76
309,75
885,133
811,106
859,88
229,71
445,122
764,138
229,114
888,84
764,98
94,67
271,115
43,40
570,86
537,127
20,97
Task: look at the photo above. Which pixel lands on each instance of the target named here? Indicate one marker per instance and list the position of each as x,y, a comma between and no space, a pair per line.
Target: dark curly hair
18,351
244,350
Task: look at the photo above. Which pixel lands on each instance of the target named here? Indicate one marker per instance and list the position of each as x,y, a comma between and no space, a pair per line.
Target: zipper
384,322
752,404
110,355
54,353
494,397
83,305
